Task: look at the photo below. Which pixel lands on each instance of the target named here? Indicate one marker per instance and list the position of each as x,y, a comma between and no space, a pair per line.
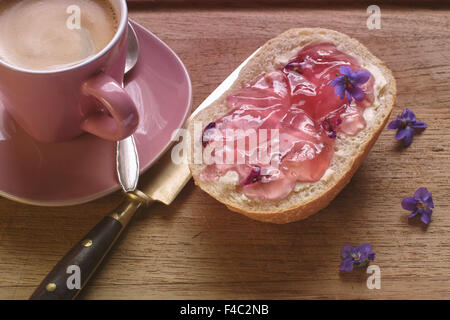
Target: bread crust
293,208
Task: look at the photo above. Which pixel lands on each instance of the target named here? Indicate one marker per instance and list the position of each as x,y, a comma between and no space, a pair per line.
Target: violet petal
418,125
346,251
253,176
425,218
429,201
346,265
339,90
395,124
207,133
357,93
401,134
349,96
408,115
421,193
409,203
346,71
413,214
365,249
407,140
340,80
361,77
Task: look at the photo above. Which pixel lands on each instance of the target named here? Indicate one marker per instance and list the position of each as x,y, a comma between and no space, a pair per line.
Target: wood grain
196,248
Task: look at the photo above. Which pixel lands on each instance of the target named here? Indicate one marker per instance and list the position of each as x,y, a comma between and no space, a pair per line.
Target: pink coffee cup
59,105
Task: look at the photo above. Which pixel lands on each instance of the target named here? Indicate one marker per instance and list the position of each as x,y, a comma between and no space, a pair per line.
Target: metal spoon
127,159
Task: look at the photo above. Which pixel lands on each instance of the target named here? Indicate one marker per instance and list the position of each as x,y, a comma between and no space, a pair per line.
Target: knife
162,184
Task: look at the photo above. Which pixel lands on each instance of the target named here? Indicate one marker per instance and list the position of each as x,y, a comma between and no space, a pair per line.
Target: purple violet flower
348,82
358,256
254,176
207,133
330,127
421,203
407,126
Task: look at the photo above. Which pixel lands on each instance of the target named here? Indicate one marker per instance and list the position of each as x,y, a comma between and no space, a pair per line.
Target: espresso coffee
54,34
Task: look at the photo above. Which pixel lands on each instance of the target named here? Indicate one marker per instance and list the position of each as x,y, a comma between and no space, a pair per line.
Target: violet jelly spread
307,112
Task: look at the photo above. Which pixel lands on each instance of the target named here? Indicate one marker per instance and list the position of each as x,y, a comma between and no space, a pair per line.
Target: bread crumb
327,175
369,115
230,178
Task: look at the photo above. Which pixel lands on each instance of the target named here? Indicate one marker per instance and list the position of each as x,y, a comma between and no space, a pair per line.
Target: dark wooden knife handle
81,261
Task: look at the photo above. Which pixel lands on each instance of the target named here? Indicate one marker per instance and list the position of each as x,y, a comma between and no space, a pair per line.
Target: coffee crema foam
34,33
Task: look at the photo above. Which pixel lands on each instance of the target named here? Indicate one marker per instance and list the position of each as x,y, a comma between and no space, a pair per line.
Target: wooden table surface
196,248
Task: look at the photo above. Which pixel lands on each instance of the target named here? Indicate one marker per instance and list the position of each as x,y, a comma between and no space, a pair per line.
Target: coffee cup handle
122,118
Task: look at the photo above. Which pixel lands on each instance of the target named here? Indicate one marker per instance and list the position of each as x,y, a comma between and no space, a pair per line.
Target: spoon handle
127,164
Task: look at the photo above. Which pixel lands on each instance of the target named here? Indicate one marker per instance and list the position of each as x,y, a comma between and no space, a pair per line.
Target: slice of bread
306,198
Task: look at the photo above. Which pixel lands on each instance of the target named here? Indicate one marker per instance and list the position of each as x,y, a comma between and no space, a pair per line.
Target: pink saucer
83,169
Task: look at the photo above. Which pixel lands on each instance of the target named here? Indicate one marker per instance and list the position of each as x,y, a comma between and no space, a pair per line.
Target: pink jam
298,100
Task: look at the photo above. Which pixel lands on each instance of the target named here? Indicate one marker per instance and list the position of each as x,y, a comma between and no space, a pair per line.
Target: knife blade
162,183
